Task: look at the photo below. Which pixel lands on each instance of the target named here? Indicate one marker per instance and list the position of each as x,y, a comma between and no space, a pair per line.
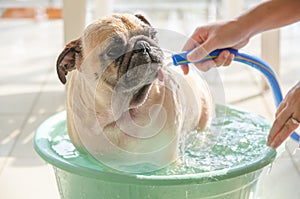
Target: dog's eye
153,33
114,52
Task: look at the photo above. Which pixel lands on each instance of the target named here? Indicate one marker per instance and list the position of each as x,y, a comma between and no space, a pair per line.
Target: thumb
200,52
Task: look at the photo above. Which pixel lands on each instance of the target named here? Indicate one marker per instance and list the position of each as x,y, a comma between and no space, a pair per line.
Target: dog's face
120,53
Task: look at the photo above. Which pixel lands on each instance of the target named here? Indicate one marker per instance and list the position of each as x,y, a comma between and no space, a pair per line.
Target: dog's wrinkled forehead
117,24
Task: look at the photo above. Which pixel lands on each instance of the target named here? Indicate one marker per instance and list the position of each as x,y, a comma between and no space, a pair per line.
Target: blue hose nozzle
254,62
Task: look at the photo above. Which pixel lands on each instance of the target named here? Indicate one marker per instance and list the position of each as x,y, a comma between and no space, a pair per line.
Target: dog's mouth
140,96
138,70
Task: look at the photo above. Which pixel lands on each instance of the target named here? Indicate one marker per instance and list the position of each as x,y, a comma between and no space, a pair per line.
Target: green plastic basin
83,177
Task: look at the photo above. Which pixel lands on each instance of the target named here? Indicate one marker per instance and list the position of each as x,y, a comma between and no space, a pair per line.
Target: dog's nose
141,46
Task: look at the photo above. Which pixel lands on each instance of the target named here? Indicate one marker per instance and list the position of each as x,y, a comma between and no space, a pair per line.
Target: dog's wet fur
123,104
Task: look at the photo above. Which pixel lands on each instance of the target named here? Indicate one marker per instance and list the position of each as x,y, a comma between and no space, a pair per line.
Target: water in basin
235,138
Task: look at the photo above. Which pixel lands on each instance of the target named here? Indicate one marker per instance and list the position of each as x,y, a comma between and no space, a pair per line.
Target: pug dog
126,106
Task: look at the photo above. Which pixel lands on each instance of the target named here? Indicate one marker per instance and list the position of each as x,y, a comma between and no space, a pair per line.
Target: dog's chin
140,96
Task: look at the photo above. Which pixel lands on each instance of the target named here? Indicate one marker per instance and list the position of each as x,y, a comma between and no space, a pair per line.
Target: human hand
287,118
208,38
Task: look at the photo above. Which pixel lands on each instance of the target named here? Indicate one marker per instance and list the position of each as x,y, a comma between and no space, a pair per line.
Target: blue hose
254,62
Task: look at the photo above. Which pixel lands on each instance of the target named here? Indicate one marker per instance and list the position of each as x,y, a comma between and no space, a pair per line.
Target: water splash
234,138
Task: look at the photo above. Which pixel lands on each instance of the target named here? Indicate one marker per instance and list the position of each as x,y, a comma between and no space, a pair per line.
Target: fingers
205,66
201,48
287,113
200,52
197,54
279,122
185,69
224,59
190,44
277,138
229,60
281,106
282,127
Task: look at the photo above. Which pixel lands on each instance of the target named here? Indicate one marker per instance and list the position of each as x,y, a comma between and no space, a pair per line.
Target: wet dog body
124,106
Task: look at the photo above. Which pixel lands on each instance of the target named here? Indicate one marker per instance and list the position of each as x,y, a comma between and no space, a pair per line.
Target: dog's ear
68,59
143,19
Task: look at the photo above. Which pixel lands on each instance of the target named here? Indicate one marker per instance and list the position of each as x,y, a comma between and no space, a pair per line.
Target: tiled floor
30,92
